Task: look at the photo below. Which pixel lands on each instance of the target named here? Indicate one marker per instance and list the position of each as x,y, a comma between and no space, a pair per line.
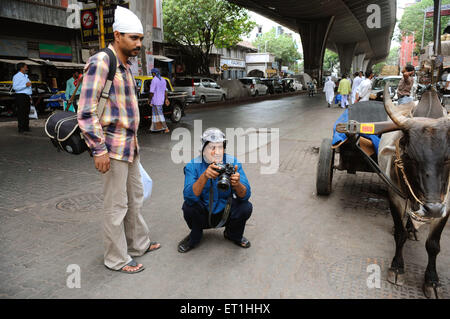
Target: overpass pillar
358,62
314,35
367,64
346,52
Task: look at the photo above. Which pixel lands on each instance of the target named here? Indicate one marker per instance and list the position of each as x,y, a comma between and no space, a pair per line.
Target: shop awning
59,64
28,62
68,65
163,58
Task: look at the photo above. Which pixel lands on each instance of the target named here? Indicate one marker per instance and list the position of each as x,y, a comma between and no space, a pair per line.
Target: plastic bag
146,182
33,113
338,99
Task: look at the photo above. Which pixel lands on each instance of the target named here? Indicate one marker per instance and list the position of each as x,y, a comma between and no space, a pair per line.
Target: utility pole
101,23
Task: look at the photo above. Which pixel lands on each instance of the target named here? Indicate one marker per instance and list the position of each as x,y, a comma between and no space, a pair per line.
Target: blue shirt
192,172
70,88
20,81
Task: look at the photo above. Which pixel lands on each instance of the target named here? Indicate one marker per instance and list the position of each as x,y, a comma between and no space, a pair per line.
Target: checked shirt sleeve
96,73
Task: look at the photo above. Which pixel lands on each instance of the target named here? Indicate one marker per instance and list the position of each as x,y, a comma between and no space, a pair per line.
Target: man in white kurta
356,82
365,88
329,91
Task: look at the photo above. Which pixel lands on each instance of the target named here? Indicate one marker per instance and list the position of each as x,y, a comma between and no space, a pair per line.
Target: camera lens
223,184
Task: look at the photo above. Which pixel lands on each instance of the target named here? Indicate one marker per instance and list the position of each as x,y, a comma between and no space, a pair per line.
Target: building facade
406,54
261,64
55,37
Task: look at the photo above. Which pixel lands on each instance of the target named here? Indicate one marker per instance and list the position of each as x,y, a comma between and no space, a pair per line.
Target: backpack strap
111,74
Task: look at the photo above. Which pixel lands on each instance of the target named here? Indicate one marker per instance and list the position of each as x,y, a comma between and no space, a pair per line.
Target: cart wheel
325,168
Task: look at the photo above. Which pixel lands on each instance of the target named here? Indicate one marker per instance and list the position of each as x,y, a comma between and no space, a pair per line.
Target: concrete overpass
339,25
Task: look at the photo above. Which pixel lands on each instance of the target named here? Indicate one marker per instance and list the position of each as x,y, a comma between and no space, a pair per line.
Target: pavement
303,245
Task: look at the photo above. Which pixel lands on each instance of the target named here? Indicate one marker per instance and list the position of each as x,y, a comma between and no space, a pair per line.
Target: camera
225,171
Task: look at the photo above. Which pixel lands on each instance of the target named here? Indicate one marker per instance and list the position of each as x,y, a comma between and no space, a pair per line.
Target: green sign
55,51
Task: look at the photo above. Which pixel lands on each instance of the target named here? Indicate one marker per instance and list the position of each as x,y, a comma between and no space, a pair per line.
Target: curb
235,102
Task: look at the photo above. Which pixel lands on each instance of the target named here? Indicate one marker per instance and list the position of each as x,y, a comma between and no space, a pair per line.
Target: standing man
23,90
364,89
405,85
158,96
356,82
70,89
344,89
329,90
112,139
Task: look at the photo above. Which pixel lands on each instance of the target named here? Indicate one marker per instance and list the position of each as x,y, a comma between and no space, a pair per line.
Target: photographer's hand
236,184
210,173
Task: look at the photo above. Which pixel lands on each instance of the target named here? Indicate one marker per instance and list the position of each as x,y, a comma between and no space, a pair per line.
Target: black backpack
62,127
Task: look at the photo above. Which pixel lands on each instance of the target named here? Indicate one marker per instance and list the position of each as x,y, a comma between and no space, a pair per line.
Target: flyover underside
349,32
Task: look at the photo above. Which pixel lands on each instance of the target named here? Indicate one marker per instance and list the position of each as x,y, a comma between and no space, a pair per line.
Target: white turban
125,21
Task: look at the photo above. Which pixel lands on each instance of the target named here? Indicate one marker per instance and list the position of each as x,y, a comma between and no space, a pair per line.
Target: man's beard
134,52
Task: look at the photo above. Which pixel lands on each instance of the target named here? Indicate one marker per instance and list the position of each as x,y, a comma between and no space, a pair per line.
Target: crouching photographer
216,193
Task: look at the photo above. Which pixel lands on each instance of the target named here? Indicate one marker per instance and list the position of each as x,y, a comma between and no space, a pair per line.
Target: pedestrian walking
329,90
23,91
112,138
310,89
344,90
364,89
157,99
356,82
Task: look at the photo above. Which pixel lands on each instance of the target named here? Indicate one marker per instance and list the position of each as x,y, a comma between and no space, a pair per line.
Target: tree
198,25
283,47
412,22
392,59
330,61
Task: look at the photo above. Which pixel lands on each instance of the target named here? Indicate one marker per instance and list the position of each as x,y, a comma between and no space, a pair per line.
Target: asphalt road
303,246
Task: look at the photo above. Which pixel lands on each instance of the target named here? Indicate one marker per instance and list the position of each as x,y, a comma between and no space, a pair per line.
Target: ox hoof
396,277
432,290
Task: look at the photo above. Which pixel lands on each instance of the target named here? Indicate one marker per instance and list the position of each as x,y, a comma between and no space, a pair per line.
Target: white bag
146,182
33,113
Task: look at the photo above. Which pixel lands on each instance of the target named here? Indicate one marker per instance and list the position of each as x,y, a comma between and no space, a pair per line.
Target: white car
255,85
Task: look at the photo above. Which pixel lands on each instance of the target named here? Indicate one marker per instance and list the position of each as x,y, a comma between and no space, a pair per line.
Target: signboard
445,11
89,23
232,63
13,48
55,51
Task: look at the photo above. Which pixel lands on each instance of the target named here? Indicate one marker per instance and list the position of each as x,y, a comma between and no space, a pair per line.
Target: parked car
379,84
288,84
200,89
273,85
175,111
40,93
255,85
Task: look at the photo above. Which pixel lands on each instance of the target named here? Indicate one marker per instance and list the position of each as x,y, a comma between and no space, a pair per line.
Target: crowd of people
358,89
349,91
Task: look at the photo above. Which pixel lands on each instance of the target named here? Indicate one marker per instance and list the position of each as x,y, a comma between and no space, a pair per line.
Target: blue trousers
196,217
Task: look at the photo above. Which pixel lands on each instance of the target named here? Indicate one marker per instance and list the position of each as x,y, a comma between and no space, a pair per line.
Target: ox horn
396,116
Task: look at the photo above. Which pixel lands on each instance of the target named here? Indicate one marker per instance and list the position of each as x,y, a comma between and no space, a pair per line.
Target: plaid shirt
116,132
